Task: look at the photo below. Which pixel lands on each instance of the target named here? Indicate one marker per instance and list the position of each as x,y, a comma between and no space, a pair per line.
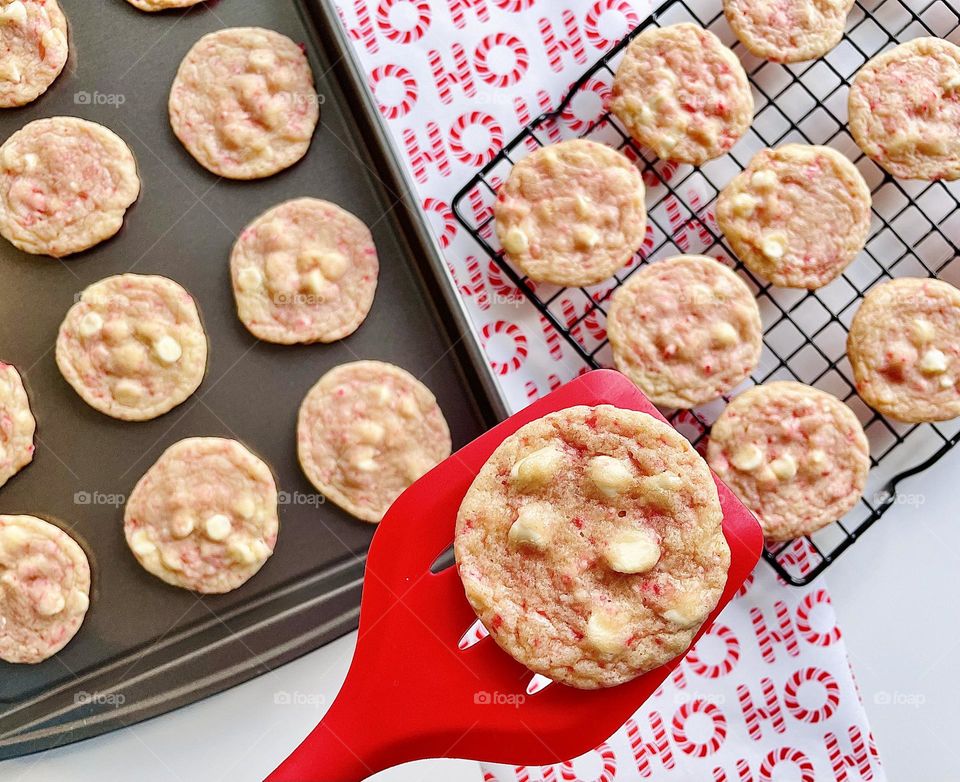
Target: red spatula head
412,692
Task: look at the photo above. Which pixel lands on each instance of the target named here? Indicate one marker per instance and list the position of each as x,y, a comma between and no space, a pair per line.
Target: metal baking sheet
145,647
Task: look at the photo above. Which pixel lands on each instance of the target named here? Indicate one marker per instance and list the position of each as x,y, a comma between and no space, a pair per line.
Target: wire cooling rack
914,232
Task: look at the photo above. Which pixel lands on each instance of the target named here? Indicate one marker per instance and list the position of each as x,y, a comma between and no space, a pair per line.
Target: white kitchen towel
768,693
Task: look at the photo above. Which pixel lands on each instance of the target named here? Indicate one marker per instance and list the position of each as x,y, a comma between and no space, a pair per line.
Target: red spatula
413,693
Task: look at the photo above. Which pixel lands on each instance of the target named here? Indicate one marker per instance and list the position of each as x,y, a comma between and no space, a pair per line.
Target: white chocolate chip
380,393
53,41
79,601
261,60
744,204
181,524
128,391
747,457
632,551
249,278
611,476
168,350
217,527
515,241
533,526
315,282
923,331
333,265
51,602
241,552
30,162
763,179
606,632
951,82
585,238
10,72
583,207
409,407
363,459
933,362
536,468
90,324
946,382
14,13
725,334
774,246
369,432
116,330
668,141
817,458
784,467
141,544
171,559
245,507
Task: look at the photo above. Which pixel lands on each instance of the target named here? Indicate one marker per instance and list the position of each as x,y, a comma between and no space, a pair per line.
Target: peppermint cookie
790,31
65,185
162,5
904,348
904,109
796,456
797,215
44,589
681,92
571,213
17,424
685,330
304,271
33,49
133,346
243,102
204,516
366,431
590,545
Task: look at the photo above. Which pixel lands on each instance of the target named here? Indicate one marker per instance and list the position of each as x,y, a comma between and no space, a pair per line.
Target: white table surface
894,591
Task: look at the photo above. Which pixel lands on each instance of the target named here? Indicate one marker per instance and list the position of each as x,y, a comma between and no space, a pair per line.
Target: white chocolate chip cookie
366,431
681,92
243,102
796,456
904,348
788,30
797,215
65,185
17,424
204,516
304,271
590,545
685,330
904,109
571,213
44,589
162,5
133,346
33,49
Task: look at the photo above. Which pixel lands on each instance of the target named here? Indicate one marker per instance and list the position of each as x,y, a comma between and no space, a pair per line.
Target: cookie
796,456
797,215
162,5
366,431
44,589
204,516
243,103
590,545
788,31
904,349
304,271
133,346
904,109
33,49
571,213
17,424
682,93
65,185
685,330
